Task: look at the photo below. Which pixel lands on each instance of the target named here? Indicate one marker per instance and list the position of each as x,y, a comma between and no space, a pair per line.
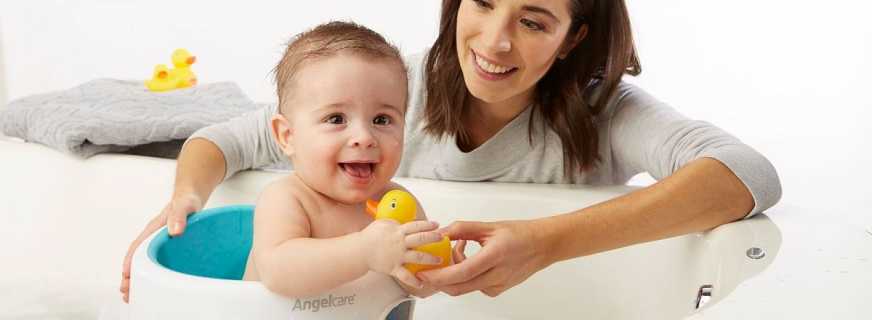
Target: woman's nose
496,37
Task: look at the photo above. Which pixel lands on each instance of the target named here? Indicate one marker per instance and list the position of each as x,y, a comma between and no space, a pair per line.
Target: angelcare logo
317,304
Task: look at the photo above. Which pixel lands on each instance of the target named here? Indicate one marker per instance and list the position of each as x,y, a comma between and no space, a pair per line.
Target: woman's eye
532,25
336,119
381,120
482,4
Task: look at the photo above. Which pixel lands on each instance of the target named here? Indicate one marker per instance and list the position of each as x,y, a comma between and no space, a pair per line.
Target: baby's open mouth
361,170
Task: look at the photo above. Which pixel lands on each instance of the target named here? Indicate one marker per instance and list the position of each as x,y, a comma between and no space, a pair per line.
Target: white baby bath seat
197,276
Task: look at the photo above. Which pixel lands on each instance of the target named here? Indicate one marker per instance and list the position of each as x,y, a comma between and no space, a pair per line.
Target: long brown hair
564,94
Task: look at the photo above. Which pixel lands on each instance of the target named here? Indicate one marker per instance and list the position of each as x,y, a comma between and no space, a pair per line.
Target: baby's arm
287,260
292,264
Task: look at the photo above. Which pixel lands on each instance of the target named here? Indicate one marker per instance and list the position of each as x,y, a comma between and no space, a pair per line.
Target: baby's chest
337,222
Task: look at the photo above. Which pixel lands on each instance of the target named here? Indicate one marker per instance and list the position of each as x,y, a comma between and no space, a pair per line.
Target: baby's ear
282,133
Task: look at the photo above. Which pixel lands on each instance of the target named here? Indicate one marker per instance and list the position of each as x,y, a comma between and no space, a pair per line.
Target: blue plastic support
215,244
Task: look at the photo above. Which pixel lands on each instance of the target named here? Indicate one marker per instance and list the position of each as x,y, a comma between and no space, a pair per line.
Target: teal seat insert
215,244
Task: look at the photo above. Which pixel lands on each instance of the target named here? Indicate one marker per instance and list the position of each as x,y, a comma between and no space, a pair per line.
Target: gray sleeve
647,135
245,141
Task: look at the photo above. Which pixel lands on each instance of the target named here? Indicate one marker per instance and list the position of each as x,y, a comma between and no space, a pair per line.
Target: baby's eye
336,119
382,120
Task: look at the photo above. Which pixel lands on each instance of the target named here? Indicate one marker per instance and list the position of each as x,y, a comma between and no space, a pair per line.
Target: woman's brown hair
563,95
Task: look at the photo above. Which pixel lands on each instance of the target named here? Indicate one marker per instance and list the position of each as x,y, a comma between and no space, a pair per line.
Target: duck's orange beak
191,60
371,207
162,74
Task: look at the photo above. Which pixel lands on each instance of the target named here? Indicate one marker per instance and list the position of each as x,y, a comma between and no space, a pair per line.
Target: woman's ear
282,133
571,42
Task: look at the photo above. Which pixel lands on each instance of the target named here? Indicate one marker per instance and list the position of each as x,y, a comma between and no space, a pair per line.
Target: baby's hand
390,246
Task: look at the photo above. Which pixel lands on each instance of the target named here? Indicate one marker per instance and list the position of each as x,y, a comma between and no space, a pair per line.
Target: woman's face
505,46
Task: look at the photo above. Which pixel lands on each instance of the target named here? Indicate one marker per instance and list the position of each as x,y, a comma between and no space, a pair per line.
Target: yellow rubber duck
395,204
181,76
182,61
160,79
401,207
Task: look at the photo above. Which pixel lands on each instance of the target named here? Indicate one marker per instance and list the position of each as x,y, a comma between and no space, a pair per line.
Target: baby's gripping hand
389,245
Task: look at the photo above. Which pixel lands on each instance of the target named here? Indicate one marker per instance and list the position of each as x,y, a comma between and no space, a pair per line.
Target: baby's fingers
419,226
418,257
421,238
407,277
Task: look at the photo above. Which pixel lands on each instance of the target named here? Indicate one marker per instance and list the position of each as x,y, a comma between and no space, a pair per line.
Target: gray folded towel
107,115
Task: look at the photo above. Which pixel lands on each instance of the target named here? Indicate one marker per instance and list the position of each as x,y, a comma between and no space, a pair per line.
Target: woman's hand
509,255
390,245
175,214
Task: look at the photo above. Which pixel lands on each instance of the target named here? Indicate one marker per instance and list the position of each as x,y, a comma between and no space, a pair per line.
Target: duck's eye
393,204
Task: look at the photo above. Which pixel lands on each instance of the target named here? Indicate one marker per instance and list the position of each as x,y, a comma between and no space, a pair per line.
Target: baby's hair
327,40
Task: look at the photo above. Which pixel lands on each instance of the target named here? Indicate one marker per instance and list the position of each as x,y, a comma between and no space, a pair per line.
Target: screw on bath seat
755,253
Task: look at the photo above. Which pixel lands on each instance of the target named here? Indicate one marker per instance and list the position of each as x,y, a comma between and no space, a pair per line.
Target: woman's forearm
305,266
200,168
700,196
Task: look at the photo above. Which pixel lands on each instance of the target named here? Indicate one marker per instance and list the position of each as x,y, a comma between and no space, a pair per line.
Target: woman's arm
644,134
207,158
245,141
700,196
706,178
216,152
200,168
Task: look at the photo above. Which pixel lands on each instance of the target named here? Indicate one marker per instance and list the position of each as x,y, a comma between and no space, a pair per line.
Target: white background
790,78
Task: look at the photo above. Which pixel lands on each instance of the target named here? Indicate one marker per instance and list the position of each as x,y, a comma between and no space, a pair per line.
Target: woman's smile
489,69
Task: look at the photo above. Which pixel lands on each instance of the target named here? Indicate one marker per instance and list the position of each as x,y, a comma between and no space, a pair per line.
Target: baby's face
347,116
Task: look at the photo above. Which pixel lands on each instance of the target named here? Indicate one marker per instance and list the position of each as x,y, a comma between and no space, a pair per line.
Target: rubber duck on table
160,79
401,207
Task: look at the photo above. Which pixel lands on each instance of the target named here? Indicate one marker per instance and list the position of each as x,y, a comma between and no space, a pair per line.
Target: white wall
787,77
2,72
58,44
790,78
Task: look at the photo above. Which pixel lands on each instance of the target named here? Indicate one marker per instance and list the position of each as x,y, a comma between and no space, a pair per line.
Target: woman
528,91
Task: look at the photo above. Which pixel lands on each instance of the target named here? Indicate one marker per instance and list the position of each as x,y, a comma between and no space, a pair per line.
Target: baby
342,101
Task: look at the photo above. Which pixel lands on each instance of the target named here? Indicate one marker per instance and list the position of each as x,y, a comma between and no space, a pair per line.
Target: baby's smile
359,171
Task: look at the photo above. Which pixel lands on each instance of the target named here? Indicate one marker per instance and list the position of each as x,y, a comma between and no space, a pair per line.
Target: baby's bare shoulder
290,188
285,196
281,189
281,212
